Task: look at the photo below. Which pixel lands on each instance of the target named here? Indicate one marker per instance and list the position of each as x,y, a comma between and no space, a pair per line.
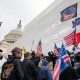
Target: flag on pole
64,54
0,23
56,51
32,45
69,12
60,65
56,70
76,22
70,39
39,48
24,50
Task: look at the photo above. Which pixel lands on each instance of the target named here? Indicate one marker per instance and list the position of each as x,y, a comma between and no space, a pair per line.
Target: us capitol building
11,38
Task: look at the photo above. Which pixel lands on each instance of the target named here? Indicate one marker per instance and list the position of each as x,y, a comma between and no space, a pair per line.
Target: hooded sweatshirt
44,73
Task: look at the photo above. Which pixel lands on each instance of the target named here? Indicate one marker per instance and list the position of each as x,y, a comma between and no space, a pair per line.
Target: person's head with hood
43,62
17,52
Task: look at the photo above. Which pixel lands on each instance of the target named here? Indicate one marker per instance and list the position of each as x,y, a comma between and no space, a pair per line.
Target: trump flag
69,12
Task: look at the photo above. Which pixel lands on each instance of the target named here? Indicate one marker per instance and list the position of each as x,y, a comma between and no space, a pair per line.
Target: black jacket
17,73
68,74
29,70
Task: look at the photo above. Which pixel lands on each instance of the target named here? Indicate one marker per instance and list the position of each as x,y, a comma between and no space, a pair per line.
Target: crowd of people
37,67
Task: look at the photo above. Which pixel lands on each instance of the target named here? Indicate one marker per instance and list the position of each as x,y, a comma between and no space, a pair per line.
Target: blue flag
64,55
76,22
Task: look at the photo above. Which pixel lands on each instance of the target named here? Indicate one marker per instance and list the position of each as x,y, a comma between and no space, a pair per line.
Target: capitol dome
14,35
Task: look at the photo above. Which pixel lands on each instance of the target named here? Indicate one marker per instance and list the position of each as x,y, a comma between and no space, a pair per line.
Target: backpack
7,70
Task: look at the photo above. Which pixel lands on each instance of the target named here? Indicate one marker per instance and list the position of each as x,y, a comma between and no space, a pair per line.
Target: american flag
56,71
70,39
56,51
64,54
60,65
39,48
59,68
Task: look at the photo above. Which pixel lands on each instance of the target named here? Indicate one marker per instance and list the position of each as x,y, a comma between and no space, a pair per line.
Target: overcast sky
11,11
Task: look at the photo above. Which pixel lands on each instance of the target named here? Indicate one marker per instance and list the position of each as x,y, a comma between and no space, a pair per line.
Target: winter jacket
17,73
68,74
29,70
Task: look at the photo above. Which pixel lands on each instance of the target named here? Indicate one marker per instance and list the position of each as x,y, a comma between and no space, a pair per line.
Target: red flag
69,39
77,38
39,48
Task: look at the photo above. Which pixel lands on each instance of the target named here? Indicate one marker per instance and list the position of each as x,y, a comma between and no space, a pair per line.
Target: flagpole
32,45
75,38
75,45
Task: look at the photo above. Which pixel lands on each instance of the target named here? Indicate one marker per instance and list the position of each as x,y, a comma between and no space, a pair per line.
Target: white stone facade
11,38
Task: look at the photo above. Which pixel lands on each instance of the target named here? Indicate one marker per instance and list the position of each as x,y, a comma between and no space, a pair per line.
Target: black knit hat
16,49
1,50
